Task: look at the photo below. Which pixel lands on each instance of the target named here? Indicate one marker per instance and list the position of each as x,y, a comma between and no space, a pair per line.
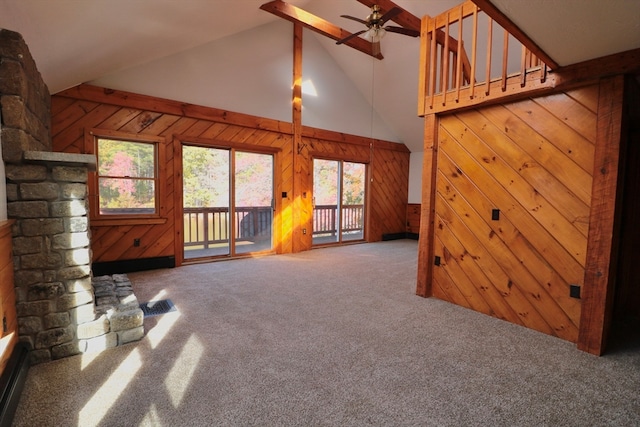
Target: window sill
125,221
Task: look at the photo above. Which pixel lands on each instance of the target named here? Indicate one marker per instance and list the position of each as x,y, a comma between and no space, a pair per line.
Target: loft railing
498,66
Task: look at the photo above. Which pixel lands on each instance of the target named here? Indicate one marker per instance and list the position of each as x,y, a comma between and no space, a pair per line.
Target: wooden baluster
505,58
447,53
434,68
425,66
474,45
459,59
489,46
523,67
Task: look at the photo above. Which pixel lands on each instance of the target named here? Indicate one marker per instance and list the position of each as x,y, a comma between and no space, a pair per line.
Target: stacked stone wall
25,102
46,196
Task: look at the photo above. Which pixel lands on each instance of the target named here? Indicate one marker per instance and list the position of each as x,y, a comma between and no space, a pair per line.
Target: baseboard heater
398,236
12,382
130,265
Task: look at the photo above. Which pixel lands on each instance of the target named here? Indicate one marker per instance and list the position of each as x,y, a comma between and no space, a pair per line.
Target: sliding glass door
227,202
338,201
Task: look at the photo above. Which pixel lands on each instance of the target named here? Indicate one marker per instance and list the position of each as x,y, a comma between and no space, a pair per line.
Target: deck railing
325,219
459,65
209,226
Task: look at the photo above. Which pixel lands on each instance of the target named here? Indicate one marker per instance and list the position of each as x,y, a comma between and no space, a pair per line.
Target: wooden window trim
90,142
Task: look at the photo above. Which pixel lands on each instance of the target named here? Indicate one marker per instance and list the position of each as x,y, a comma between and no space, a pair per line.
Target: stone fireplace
46,198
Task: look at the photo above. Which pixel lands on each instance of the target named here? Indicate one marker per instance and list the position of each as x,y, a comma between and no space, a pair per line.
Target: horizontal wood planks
512,206
78,110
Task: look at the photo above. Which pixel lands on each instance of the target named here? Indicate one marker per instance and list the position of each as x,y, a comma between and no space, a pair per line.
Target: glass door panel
206,201
253,206
326,190
353,185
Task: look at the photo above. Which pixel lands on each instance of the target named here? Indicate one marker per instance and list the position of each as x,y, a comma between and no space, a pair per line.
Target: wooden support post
296,106
427,212
603,238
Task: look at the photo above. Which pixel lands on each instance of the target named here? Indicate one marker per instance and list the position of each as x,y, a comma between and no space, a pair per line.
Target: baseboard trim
12,382
130,265
398,236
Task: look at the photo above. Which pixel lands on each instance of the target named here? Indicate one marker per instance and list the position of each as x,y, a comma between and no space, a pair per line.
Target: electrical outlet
304,231
136,242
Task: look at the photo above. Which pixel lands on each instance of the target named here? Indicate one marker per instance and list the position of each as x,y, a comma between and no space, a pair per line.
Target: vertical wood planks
602,245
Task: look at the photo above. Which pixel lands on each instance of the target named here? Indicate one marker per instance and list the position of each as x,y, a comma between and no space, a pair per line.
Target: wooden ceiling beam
405,19
505,22
317,24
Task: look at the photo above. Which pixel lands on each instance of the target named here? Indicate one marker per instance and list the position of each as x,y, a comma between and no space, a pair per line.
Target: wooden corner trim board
167,106
603,238
506,23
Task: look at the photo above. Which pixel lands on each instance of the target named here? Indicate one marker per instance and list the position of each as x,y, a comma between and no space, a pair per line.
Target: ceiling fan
375,27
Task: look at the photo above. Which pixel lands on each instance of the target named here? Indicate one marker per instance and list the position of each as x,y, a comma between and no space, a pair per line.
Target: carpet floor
329,337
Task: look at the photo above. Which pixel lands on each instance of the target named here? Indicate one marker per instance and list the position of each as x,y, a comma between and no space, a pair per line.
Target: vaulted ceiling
118,41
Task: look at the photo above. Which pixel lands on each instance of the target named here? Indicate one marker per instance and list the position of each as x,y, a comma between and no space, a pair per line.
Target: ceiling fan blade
401,30
375,49
353,18
390,15
346,39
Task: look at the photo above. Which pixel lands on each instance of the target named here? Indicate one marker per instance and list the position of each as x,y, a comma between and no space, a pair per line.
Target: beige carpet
330,337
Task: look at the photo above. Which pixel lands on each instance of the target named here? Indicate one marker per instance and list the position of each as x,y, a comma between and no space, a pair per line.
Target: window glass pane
126,177
126,159
121,196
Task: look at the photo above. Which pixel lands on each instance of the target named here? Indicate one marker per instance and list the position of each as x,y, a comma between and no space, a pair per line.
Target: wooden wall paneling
58,104
577,180
178,201
413,218
389,192
527,197
546,190
443,284
597,291
539,237
587,96
119,119
69,115
427,208
474,159
458,189
70,139
132,114
471,263
553,129
573,114
525,270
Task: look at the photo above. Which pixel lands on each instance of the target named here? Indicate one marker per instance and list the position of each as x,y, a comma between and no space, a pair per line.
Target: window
126,177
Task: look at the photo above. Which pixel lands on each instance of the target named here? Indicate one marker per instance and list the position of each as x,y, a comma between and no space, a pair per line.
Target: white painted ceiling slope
230,54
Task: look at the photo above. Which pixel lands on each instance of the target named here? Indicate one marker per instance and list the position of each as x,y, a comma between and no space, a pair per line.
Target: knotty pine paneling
532,160
413,218
79,109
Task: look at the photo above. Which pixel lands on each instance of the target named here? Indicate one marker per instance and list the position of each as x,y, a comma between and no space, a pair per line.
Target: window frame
91,144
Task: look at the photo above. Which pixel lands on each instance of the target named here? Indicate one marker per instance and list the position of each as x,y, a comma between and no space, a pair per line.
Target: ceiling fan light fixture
375,34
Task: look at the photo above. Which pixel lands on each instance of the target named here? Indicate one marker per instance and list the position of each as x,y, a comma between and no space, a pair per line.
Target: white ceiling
74,41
